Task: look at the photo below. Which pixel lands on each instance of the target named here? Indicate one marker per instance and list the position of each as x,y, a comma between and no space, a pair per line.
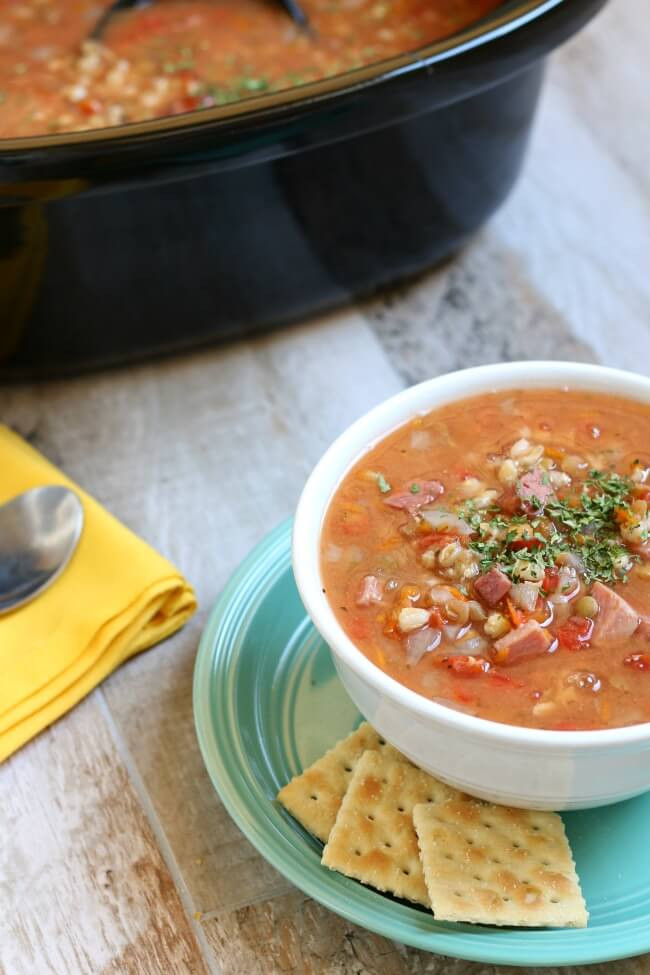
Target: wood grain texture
112,836
83,886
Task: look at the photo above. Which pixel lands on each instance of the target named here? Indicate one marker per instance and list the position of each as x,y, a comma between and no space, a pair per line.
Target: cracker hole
457,893
516,846
488,825
536,829
388,845
400,808
469,842
476,877
448,856
370,817
347,768
506,899
497,862
314,798
431,800
545,863
357,853
382,741
406,872
555,900
385,781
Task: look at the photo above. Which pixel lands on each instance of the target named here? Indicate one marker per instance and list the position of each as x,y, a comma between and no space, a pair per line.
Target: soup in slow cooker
175,56
494,556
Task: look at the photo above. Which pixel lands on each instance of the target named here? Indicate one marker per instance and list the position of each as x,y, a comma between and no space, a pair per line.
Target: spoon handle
292,7
116,7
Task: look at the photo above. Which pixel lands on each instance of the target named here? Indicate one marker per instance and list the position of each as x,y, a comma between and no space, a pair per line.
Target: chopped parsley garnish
585,524
415,488
383,484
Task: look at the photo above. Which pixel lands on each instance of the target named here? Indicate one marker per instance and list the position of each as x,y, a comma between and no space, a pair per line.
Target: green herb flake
383,484
584,524
415,488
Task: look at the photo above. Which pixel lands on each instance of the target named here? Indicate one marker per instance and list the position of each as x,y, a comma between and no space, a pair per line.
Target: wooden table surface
115,854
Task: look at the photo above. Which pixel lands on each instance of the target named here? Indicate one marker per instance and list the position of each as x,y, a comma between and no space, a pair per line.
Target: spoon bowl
39,532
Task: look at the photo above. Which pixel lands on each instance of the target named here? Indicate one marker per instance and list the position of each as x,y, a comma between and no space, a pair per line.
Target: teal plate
267,703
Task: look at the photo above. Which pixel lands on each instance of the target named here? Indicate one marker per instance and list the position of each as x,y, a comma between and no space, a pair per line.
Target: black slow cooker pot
153,237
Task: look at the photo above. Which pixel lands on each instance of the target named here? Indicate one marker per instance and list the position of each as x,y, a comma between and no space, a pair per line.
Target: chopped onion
451,632
421,642
445,521
568,586
474,645
524,595
440,595
354,554
572,560
420,440
333,553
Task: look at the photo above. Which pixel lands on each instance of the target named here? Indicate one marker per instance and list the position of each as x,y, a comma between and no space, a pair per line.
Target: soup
494,556
178,55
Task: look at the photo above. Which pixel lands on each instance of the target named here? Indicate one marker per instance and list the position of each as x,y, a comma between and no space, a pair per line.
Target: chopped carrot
554,453
516,616
457,593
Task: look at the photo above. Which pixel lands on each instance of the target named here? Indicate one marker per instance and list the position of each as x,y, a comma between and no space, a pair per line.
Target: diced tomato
358,628
502,680
639,661
436,620
575,633
436,540
551,579
90,106
464,698
186,103
509,502
466,666
526,543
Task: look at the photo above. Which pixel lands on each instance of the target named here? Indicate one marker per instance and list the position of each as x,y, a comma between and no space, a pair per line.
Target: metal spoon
39,532
292,7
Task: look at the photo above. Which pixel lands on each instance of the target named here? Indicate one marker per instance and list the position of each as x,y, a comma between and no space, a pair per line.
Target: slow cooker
149,238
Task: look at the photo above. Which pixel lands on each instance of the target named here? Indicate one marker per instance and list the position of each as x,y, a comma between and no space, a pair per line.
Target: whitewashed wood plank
580,217
83,887
203,456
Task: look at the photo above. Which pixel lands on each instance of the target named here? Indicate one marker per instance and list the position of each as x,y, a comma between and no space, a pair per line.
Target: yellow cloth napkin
116,597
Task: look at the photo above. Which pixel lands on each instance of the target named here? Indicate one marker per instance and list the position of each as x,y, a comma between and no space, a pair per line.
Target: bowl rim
511,16
360,437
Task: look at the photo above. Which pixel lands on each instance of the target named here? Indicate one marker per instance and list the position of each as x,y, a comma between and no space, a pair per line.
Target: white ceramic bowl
507,764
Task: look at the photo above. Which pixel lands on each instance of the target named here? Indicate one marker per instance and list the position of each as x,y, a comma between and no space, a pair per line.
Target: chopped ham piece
535,487
529,640
616,619
492,586
370,591
410,501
